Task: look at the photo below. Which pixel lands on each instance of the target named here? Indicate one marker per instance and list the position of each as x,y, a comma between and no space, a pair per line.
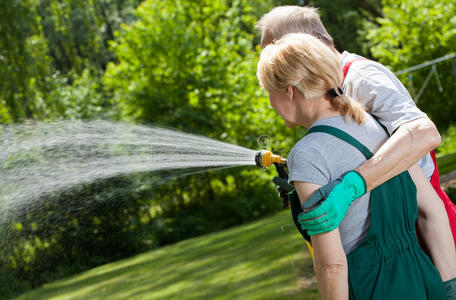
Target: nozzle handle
265,158
283,183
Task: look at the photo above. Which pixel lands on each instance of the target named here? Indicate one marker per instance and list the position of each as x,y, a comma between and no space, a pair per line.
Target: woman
374,253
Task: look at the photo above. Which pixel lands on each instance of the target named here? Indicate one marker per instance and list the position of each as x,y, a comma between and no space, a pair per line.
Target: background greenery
184,64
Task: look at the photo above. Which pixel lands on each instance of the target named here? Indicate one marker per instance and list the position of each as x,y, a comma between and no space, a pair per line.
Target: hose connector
265,158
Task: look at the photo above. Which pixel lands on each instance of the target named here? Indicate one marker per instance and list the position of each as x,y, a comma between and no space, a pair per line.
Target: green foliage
24,64
64,234
412,32
48,48
446,163
77,32
84,98
212,202
451,192
189,66
448,144
344,19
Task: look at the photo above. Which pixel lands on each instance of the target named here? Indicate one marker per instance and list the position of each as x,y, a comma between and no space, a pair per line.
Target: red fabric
449,206
348,65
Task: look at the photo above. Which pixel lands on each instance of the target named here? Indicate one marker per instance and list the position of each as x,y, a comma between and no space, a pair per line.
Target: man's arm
405,147
434,226
330,262
413,134
408,144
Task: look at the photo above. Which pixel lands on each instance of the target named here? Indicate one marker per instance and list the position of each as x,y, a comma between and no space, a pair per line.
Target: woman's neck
321,109
324,115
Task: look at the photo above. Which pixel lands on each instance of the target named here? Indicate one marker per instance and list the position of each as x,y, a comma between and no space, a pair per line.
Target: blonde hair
292,19
301,60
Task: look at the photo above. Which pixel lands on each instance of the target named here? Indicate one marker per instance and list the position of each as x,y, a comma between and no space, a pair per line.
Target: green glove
327,207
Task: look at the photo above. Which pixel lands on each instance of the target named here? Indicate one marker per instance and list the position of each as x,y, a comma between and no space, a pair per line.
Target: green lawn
266,259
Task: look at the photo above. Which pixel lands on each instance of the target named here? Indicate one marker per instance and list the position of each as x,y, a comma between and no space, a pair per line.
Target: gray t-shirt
383,95
320,158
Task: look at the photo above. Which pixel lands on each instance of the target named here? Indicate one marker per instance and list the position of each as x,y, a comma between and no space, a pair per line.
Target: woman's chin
291,125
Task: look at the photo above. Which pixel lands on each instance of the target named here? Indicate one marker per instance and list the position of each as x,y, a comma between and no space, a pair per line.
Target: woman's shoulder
371,124
306,146
370,132
306,162
307,151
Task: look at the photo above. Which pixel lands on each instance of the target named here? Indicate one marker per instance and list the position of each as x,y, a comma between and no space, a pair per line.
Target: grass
266,259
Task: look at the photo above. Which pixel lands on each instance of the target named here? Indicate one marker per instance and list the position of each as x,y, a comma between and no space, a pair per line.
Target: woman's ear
290,92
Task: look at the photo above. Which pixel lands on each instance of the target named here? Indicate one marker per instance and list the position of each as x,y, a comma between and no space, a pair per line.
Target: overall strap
344,137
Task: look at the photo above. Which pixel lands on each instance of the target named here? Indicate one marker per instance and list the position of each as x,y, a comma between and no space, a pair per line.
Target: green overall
389,263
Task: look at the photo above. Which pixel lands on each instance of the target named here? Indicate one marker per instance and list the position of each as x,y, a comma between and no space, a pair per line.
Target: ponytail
348,107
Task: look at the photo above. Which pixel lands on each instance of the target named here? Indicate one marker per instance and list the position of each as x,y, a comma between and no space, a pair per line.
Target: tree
191,66
410,33
344,19
24,70
78,32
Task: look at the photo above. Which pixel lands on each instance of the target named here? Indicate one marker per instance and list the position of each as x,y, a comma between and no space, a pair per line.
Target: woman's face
285,106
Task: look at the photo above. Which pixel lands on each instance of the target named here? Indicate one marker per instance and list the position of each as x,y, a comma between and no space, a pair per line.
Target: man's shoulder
362,64
347,57
371,75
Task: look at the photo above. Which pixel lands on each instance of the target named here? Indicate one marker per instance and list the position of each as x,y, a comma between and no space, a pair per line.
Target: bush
451,192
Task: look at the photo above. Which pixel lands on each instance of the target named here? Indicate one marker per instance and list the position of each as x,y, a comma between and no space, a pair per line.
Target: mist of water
42,158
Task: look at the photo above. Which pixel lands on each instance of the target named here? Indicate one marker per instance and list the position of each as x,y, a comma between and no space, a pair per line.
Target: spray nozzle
265,158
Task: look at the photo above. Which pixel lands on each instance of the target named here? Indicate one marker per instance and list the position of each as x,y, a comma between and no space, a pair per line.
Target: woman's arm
330,262
330,265
434,226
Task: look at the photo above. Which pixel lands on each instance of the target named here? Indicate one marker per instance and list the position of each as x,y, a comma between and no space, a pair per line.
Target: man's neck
338,54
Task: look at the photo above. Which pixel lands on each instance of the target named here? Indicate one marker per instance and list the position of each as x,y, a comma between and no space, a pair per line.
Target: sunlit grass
266,259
